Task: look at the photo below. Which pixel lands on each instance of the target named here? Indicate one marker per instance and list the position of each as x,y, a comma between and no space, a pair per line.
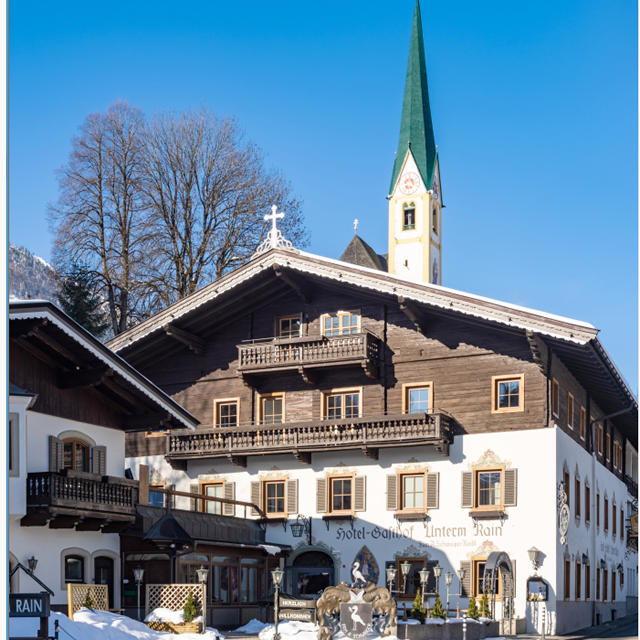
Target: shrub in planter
473,612
190,608
418,611
438,611
88,603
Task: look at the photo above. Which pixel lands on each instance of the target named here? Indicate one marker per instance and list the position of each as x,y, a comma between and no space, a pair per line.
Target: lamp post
203,574
33,563
448,577
138,572
391,576
276,575
534,554
424,578
437,572
404,567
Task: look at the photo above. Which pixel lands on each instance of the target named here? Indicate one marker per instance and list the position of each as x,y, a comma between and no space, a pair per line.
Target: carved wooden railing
368,433
79,490
309,351
632,487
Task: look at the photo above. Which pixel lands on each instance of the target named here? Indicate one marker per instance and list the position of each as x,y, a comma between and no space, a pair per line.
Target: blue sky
534,108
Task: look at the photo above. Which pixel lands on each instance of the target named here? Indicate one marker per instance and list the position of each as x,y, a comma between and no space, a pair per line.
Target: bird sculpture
359,580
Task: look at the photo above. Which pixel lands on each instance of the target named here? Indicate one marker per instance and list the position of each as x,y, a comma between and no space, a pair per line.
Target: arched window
76,454
74,569
409,217
434,220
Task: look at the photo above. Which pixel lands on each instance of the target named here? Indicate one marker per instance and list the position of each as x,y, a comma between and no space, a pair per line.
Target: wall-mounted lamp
534,555
620,568
603,564
33,563
585,559
202,574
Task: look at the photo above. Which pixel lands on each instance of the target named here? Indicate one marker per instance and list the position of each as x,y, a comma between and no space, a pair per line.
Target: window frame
598,586
606,514
157,485
583,424
570,410
605,585
268,396
415,474
614,520
608,448
205,503
555,398
219,402
587,582
600,440
82,560
434,218
406,207
476,489
576,494
411,386
567,579
578,582
475,579
278,328
598,509
621,524
587,503
566,478
353,312
84,445
274,514
345,391
330,480
495,396
13,446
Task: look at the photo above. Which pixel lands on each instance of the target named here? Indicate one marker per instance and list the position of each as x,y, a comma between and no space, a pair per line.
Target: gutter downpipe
594,494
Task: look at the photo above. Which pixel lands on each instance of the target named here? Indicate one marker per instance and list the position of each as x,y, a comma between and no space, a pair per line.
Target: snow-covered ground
99,625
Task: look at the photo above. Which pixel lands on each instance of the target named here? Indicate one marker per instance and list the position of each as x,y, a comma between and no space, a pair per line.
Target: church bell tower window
409,220
434,220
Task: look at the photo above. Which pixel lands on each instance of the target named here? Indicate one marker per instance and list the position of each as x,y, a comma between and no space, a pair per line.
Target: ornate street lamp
138,572
437,572
391,576
534,554
424,578
276,575
300,526
448,578
404,567
33,563
203,574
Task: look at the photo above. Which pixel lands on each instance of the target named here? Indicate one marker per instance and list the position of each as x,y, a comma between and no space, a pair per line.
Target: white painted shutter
56,454
510,487
256,497
392,492
433,490
467,489
99,460
195,504
292,496
229,494
466,582
360,493
321,495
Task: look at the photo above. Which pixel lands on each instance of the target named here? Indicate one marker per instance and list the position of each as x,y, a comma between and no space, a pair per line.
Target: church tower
415,198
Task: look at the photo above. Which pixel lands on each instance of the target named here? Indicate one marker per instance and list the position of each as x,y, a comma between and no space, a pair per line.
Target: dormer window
409,217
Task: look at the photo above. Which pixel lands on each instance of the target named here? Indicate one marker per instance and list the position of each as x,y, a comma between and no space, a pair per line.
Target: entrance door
103,574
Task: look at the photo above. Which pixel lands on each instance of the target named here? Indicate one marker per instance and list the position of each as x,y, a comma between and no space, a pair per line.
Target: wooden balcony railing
304,438
82,491
632,487
310,352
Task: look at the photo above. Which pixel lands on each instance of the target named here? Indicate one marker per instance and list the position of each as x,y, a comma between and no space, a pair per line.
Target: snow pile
99,625
166,615
304,631
254,627
409,621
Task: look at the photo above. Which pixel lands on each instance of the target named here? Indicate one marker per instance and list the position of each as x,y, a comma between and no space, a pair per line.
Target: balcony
302,439
632,487
308,354
86,501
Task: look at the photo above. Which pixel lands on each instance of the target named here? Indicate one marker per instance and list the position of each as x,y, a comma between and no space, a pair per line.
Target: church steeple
415,201
416,128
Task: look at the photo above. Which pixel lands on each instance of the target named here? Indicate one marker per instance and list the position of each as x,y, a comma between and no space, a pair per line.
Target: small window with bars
409,216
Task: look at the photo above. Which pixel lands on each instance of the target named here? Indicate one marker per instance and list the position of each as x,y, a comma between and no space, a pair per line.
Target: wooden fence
76,594
174,597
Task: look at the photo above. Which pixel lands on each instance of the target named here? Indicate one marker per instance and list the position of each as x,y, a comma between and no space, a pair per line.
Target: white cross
355,224
274,229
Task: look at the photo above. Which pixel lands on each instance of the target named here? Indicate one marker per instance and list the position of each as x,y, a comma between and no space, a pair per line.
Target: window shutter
229,494
513,568
433,490
392,492
510,487
256,498
432,583
321,495
194,504
56,454
292,496
467,489
360,493
466,582
99,460
170,500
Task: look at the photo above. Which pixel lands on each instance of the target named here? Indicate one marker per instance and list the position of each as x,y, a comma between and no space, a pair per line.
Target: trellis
76,594
174,597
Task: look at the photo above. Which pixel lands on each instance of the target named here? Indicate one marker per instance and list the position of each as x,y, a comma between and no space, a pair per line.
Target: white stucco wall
18,478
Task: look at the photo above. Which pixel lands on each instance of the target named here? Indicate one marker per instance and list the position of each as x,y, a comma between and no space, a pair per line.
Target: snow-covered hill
30,276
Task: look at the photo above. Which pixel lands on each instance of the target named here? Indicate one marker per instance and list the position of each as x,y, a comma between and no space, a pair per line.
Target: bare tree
207,190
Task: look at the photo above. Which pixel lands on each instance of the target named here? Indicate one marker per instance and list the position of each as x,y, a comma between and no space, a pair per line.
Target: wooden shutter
256,496
194,504
432,584
169,499
510,487
433,490
466,582
392,492
229,494
321,495
56,454
360,493
467,489
292,496
99,460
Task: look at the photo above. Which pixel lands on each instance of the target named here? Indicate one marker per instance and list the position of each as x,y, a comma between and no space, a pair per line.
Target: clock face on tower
409,183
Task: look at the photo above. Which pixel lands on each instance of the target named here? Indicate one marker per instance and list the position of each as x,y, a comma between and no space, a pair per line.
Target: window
587,503
342,404
578,580
600,439
569,410
621,525
583,424
606,514
272,409
507,393
489,489
413,576
289,327
598,510
613,586
597,583
156,499
226,412
587,582
567,579
622,579
434,220
157,433
417,397
76,455
567,486
342,323
215,490
608,447
478,580
605,585
412,492
13,446
74,569
340,499
555,398
409,216
577,499
614,520
273,493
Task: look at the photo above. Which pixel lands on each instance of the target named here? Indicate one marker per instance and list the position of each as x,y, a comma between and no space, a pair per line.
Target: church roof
360,253
416,128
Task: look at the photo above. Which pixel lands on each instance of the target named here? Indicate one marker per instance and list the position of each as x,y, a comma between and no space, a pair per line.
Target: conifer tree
88,603
418,611
473,612
79,300
190,608
484,605
438,611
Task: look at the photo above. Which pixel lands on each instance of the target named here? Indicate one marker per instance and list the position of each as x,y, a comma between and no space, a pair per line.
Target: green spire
416,128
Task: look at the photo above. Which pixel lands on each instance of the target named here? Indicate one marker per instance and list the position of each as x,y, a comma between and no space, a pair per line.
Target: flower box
168,627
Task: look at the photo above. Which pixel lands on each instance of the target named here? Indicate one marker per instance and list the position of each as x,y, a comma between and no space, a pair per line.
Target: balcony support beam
370,452
238,461
82,377
308,375
411,310
294,282
303,457
148,422
65,522
195,343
